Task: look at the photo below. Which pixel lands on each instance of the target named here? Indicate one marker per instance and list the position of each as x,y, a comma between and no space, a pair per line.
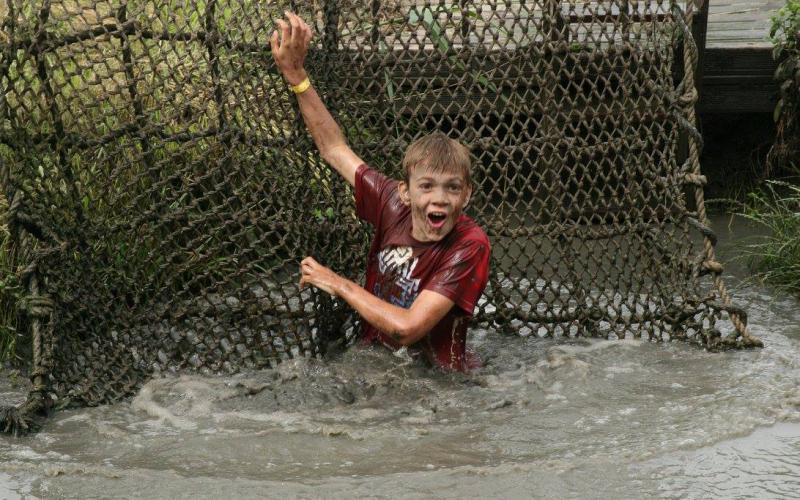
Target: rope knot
696,179
688,97
711,266
36,306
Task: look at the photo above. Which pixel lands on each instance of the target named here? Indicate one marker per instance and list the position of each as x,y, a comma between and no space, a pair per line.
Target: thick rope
688,101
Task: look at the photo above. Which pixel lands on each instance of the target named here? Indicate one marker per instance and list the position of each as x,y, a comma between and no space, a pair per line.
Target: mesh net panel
166,187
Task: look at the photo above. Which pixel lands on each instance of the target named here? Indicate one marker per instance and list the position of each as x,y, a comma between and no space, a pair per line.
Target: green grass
9,291
775,258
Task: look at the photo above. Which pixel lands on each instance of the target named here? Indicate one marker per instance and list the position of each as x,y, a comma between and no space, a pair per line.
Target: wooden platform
734,24
738,67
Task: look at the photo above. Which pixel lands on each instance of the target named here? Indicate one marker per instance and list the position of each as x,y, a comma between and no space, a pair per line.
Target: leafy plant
776,206
785,36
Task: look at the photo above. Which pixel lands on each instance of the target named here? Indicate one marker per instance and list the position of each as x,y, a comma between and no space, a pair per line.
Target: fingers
306,276
296,21
306,269
285,30
293,31
297,30
318,276
301,32
273,42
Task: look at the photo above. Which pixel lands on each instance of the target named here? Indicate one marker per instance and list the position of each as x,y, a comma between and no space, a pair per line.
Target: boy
428,263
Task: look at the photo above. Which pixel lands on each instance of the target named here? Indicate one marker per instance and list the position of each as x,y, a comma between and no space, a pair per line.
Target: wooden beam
699,30
739,81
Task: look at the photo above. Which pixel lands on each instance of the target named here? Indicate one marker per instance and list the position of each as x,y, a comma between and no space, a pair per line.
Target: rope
170,189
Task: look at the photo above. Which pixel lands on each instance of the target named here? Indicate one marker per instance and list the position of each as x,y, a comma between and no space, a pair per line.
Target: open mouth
437,219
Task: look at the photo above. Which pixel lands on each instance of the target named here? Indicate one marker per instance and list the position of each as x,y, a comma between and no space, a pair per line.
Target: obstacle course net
165,188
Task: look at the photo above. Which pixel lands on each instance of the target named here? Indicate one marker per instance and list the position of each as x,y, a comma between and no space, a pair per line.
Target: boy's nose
440,197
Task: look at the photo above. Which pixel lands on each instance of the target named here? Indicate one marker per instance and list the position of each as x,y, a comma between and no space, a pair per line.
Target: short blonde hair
438,153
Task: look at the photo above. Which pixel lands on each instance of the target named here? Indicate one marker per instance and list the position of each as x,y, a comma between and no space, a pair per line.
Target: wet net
164,187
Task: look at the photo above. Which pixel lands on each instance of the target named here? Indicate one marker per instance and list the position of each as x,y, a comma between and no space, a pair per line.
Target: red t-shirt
399,267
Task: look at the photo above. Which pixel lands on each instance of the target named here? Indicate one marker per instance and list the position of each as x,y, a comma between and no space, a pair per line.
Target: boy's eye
454,188
425,186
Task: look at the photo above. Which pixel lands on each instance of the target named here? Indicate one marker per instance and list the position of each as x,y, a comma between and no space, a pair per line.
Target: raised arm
289,49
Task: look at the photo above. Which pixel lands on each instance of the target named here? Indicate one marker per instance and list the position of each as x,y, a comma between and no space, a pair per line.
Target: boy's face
436,200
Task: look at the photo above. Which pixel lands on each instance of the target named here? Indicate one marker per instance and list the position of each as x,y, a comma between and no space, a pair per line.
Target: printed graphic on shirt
394,283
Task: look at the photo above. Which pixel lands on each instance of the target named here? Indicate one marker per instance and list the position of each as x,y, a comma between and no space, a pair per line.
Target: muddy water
544,419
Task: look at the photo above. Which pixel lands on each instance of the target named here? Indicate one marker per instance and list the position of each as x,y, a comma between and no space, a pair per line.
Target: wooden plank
740,17
740,23
750,61
738,97
738,81
738,42
699,31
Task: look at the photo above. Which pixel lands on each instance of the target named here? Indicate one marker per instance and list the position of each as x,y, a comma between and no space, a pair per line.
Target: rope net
163,184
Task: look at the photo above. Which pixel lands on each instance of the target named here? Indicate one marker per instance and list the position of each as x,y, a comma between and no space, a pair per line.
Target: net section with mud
164,187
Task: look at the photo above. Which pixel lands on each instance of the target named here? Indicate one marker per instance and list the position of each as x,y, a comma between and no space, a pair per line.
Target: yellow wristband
301,87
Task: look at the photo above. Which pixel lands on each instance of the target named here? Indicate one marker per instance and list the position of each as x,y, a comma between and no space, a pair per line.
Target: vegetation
776,206
785,36
776,257
9,291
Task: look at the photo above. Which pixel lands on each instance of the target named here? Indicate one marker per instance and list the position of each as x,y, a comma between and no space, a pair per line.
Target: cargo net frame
162,187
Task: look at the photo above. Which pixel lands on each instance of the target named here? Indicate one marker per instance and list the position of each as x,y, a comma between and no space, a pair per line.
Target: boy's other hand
315,274
289,47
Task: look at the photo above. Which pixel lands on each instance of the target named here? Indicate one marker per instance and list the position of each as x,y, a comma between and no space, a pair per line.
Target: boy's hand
315,274
290,52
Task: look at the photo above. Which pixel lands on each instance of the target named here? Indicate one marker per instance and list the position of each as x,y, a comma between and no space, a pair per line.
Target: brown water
545,419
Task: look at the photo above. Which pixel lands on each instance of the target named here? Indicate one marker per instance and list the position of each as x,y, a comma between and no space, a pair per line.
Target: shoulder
375,195
468,242
468,232
367,176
